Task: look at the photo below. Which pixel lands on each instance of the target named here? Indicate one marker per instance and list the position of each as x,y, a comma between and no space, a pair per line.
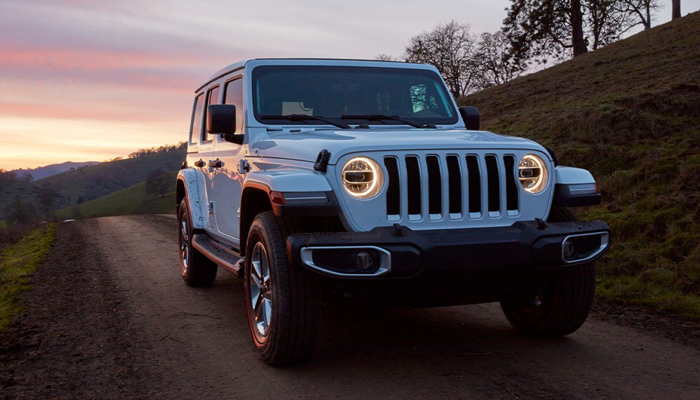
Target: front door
228,183
206,150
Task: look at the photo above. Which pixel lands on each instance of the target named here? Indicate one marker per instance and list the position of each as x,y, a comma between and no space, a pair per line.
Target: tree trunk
676,13
577,40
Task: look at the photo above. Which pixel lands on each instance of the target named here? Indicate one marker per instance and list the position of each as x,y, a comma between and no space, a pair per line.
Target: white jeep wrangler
319,180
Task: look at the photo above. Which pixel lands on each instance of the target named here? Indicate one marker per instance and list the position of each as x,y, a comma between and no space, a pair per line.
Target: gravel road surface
109,317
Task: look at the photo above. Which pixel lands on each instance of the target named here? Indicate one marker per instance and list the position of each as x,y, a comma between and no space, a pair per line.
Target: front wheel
563,307
283,303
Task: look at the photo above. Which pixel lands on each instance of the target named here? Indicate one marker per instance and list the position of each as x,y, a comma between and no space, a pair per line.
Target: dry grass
630,113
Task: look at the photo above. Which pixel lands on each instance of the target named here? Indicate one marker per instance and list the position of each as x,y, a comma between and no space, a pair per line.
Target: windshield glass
332,92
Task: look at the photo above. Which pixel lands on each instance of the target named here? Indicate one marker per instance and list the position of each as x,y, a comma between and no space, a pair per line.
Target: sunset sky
91,80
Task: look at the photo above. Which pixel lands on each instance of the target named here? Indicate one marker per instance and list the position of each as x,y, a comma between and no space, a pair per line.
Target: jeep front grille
437,186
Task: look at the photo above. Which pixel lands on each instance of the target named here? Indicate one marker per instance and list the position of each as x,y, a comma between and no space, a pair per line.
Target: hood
305,145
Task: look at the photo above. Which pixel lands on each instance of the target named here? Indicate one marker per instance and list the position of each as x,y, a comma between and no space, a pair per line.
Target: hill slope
630,113
99,180
130,201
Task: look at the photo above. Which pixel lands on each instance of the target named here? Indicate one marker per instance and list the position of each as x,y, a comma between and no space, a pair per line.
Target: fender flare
575,187
573,176
195,195
287,181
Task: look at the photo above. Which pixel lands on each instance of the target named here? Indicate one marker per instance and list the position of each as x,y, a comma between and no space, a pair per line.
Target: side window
212,98
196,125
234,95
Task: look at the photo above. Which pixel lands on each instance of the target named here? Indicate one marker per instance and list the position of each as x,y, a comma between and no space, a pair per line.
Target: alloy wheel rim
260,289
184,245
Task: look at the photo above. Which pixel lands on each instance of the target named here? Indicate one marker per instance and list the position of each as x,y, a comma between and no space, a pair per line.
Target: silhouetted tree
640,12
159,183
20,212
7,178
675,9
496,64
450,48
48,196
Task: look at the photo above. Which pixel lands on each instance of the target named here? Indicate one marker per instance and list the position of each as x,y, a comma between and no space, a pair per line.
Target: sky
90,80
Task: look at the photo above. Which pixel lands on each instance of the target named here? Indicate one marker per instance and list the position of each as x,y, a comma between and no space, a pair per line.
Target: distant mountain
53,169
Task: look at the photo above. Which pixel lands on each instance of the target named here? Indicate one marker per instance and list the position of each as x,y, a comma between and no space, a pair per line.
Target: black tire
564,306
195,268
294,298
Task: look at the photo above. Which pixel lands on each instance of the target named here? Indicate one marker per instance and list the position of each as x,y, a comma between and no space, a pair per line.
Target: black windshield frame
443,114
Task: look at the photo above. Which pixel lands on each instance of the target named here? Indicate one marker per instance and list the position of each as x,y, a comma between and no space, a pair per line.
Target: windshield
414,95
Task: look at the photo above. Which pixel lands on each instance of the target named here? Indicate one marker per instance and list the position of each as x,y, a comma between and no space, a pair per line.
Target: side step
219,254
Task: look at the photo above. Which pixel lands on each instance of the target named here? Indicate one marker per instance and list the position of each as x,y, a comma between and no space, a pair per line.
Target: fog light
569,250
363,261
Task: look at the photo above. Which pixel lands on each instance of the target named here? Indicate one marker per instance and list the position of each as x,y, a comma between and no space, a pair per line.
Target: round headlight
532,173
362,177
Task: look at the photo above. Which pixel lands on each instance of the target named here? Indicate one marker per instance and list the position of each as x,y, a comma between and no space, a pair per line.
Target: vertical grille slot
511,185
413,178
474,184
494,189
434,185
393,193
455,180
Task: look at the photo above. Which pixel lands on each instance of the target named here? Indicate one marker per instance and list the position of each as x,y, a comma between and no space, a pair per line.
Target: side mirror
221,120
471,118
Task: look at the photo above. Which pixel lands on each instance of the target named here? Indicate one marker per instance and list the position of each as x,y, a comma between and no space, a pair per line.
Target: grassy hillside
630,113
98,180
129,201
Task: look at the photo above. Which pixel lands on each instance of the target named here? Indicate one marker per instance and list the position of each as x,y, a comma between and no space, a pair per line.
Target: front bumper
531,247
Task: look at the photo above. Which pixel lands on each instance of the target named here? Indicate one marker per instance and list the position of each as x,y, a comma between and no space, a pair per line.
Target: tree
543,29
386,57
159,183
496,64
640,12
7,178
48,196
676,9
20,212
450,48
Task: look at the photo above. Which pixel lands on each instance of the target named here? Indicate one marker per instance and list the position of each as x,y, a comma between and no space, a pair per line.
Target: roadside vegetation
133,200
18,262
630,113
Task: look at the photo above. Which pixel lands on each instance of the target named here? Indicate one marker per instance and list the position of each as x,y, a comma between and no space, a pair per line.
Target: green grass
17,264
630,113
130,201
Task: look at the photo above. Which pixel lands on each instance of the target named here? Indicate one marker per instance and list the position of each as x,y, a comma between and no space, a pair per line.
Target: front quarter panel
196,196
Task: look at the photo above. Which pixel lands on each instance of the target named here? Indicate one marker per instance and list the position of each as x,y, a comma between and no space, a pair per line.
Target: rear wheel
196,269
283,303
562,307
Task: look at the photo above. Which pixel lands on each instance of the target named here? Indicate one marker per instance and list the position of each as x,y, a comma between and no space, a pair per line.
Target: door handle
199,164
215,163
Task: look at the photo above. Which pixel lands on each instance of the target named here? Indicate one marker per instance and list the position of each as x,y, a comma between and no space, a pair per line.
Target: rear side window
212,98
234,95
196,125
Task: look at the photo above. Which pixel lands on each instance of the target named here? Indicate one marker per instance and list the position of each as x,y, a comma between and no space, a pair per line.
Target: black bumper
526,246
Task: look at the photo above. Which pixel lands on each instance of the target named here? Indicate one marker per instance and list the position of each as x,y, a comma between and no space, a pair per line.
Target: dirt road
126,326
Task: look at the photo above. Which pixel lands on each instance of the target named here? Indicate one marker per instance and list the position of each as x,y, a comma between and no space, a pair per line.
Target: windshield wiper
381,118
305,118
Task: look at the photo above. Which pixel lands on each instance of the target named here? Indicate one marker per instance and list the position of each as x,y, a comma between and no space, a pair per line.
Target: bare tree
496,63
450,48
676,9
386,57
159,183
639,12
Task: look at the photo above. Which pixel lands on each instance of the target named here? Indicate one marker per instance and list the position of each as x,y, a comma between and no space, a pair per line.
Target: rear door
206,149
228,183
